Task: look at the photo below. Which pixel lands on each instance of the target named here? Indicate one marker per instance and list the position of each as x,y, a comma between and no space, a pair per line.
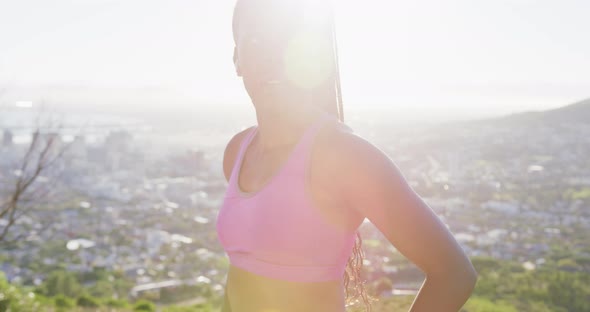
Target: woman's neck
281,125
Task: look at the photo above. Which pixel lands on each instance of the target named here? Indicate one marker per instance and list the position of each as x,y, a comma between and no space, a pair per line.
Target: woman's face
262,30
258,59
272,47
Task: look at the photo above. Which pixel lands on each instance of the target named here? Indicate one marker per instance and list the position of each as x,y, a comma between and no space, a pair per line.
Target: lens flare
308,60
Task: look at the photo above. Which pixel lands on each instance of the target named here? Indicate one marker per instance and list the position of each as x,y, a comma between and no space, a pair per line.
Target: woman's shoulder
341,148
336,135
337,125
231,150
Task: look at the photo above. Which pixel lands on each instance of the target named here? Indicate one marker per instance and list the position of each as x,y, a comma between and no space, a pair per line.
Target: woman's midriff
248,292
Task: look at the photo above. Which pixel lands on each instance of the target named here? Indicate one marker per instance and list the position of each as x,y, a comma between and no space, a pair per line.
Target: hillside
578,112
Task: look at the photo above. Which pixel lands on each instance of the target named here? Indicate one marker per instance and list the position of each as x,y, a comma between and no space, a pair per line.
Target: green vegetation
581,194
194,308
505,286
62,291
551,287
143,305
13,298
87,302
560,285
63,302
478,304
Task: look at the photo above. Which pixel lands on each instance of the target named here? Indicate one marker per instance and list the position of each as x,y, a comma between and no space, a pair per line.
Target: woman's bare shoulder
343,156
339,138
338,148
231,151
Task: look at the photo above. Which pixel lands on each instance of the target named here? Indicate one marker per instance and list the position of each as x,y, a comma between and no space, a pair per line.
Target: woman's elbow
471,279
461,278
466,278
465,273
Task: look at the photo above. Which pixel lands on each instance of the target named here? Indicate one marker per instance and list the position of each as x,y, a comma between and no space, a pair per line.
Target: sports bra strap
302,146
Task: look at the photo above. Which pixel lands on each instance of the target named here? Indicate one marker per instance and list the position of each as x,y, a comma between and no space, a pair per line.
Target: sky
424,58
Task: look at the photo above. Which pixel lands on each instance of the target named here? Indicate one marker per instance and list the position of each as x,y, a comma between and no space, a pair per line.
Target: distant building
119,141
78,147
116,148
7,138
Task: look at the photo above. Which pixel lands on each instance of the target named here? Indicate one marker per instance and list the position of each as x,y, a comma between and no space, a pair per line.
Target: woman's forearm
444,293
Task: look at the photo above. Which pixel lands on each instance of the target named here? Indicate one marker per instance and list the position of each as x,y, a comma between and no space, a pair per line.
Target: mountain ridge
577,112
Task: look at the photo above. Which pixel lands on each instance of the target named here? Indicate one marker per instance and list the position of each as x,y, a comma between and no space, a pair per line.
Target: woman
301,182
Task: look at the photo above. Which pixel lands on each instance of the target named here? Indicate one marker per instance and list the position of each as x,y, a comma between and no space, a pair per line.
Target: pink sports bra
277,231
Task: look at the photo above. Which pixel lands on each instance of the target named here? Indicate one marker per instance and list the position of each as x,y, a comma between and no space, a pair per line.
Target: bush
16,299
116,303
61,283
478,304
87,302
204,307
62,301
143,305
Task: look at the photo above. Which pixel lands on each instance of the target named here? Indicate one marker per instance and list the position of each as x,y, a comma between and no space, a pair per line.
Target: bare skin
248,292
351,179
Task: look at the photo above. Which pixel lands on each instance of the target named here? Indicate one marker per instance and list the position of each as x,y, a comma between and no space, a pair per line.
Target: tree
62,283
144,305
87,301
15,299
27,184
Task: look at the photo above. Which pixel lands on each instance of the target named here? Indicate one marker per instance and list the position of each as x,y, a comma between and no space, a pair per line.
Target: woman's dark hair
288,15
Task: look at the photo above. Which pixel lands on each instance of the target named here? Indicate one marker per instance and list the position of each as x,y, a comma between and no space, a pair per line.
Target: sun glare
309,54
308,59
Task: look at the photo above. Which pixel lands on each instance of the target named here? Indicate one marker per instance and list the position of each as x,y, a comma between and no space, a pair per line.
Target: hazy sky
443,58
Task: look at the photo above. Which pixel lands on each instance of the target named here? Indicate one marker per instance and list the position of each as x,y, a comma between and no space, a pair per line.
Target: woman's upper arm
231,151
374,186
